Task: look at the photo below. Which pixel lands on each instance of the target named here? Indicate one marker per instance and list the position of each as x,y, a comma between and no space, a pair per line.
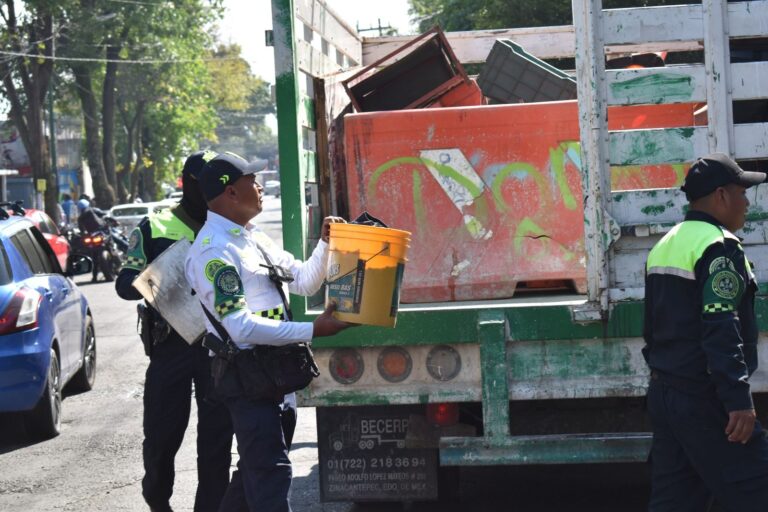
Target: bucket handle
386,248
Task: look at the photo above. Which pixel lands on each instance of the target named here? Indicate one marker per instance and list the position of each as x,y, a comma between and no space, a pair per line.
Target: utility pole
379,28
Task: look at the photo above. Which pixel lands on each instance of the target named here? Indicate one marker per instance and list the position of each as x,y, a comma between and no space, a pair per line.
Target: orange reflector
443,415
394,364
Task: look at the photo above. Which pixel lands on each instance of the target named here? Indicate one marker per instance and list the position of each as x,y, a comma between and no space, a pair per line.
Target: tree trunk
105,194
108,115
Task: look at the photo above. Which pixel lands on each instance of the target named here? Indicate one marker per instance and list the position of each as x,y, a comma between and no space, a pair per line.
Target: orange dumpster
491,194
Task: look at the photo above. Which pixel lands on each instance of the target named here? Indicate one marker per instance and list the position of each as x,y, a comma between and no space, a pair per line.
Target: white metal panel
317,15
748,19
749,80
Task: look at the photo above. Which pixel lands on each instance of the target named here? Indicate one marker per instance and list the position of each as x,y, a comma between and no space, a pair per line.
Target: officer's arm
135,262
216,277
719,276
308,275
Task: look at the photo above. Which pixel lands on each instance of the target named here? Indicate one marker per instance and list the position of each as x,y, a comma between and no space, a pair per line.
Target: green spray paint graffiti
655,88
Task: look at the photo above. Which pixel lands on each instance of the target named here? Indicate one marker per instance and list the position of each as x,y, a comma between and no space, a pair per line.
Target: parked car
129,215
55,238
272,188
47,339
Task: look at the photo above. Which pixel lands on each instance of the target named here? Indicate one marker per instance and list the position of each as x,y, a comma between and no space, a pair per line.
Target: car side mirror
77,265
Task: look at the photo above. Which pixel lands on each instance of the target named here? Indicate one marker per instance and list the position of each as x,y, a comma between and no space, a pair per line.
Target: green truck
519,334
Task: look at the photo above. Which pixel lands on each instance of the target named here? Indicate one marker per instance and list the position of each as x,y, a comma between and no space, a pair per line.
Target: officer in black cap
701,346
174,365
242,278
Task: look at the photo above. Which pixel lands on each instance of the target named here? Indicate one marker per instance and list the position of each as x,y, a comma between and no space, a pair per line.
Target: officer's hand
326,231
327,325
740,425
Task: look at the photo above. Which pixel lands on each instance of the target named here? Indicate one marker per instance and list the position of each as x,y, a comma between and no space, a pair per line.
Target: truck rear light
346,366
21,312
394,364
443,415
443,363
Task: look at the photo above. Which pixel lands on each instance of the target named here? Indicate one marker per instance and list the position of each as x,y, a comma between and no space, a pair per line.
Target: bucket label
396,292
347,290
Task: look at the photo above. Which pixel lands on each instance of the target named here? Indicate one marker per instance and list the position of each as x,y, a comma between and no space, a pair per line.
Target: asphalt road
95,464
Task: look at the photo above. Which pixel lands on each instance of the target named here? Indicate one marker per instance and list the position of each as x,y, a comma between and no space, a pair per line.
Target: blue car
47,338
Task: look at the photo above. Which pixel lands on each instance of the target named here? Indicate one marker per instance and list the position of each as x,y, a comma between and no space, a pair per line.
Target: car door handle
65,290
49,295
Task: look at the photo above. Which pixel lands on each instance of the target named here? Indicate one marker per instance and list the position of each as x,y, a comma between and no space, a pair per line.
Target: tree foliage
456,15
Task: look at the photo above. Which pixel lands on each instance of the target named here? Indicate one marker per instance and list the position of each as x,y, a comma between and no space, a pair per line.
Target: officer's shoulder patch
212,266
723,290
725,284
721,263
135,258
228,291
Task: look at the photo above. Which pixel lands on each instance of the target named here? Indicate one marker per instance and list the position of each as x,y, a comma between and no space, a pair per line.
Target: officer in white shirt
226,268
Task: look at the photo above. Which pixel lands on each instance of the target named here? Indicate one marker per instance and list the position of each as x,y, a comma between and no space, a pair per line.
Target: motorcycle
103,246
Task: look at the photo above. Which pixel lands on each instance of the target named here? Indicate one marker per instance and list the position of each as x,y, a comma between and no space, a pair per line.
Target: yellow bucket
365,271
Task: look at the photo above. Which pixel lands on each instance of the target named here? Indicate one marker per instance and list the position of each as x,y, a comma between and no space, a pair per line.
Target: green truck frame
530,364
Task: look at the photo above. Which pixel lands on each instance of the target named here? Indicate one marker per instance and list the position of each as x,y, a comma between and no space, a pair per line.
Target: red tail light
21,312
443,415
93,240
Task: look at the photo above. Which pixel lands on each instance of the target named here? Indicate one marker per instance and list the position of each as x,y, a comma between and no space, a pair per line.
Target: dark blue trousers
264,431
174,366
693,461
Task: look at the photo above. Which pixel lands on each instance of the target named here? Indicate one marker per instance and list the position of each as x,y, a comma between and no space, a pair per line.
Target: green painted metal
289,134
408,395
570,359
556,449
491,333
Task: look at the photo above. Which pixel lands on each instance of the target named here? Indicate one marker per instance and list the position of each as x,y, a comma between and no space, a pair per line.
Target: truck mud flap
363,456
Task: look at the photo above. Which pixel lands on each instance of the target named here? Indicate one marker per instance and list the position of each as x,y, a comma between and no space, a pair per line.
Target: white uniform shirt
223,248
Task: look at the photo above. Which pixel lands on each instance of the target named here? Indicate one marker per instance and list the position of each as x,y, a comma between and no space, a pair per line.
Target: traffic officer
701,346
227,269
174,365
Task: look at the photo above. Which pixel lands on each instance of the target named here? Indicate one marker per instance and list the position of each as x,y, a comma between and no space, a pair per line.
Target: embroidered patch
134,240
228,289
135,258
212,266
725,284
721,263
227,281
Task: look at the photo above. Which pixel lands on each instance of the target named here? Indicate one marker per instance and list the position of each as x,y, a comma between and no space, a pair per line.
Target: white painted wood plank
330,26
748,19
751,141
749,80
668,23
679,84
658,146
717,61
312,61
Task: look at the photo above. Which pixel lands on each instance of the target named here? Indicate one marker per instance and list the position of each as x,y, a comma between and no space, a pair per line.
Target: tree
143,57
28,35
243,100
455,15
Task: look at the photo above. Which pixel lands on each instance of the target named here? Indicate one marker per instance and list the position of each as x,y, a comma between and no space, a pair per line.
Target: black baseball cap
716,170
194,163
222,170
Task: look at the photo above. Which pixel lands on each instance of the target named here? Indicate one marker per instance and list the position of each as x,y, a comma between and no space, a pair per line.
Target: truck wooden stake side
484,368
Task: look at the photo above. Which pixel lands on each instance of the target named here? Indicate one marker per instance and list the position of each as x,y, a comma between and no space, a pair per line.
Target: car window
33,252
45,224
129,212
5,267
